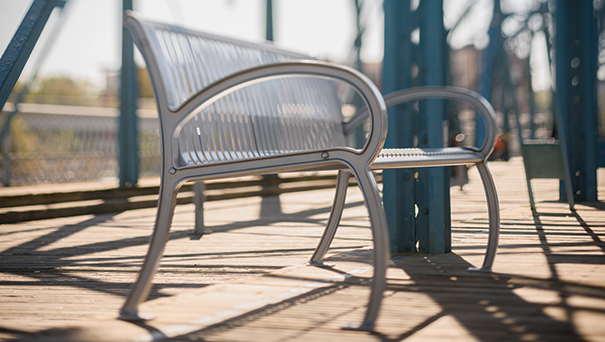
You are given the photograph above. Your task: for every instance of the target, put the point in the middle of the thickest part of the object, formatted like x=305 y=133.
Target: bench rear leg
x=493 y=207
x=342 y=183
x=140 y=289
x=378 y=223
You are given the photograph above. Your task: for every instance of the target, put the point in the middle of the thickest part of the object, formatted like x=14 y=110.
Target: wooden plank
x=66 y=278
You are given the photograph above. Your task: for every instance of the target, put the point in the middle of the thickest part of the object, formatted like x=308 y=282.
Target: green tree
x=145 y=89
x=62 y=90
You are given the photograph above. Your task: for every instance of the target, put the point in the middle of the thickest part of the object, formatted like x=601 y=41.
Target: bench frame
x=344 y=159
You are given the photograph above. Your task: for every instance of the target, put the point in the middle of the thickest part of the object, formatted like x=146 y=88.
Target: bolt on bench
x=230 y=108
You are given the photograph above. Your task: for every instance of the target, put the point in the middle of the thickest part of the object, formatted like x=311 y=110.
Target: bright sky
x=89 y=43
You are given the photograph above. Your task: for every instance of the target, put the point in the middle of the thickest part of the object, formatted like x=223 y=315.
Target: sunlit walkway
x=64 y=279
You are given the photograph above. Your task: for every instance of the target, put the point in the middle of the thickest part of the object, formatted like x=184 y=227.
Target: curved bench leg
x=494 y=218
x=378 y=222
x=342 y=183
x=140 y=289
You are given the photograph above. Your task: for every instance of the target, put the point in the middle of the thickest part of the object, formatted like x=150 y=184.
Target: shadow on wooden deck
x=548 y=282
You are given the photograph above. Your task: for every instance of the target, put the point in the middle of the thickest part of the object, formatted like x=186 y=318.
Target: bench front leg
x=378 y=224
x=140 y=289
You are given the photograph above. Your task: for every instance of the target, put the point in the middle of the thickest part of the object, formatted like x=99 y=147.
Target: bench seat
x=397 y=158
x=388 y=158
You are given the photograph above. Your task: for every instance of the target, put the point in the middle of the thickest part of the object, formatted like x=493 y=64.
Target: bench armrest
x=478 y=102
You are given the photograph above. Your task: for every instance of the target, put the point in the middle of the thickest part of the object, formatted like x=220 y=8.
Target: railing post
x=128 y=161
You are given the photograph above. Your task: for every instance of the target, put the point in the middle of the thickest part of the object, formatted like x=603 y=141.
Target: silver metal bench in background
x=230 y=108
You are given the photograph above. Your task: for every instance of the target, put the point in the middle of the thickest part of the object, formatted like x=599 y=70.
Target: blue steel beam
x=488 y=62
x=428 y=189
x=588 y=77
x=433 y=195
x=269 y=21
x=6 y=128
x=562 y=88
x=359 y=135
x=21 y=46
x=576 y=40
x=48 y=44
x=398 y=185
x=128 y=160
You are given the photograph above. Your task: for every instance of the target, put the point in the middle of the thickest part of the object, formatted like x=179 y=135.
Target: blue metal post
x=269 y=21
x=575 y=48
x=398 y=185
x=358 y=37
x=588 y=77
x=5 y=131
x=268 y=37
x=359 y=135
x=488 y=62
x=21 y=46
x=433 y=195
x=563 y=80
x=428 y=189
x=127 y=131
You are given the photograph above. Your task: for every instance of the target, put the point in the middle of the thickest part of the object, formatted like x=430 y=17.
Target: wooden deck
x=64 y=279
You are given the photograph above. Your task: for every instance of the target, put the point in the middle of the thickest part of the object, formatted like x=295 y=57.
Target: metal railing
x=54 y=143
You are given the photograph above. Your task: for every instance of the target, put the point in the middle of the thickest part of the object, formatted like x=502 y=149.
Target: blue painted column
x=433 y=195
x=398 y=185
x=488 y=63
x=6 y=129
x=589 y=32
x=269 y=20
x=359 y=134
x=22 y=44
x=128 y=160
x=426 y=189
x=576 y=43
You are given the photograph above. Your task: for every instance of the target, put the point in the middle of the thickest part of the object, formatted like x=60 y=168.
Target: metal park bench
x=231 y=108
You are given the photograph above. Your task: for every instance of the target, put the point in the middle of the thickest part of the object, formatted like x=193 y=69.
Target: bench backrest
x=273 y=117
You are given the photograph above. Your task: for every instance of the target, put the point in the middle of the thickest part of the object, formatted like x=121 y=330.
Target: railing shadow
x=56 y=270
x=489 y=306
x=268 y=214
